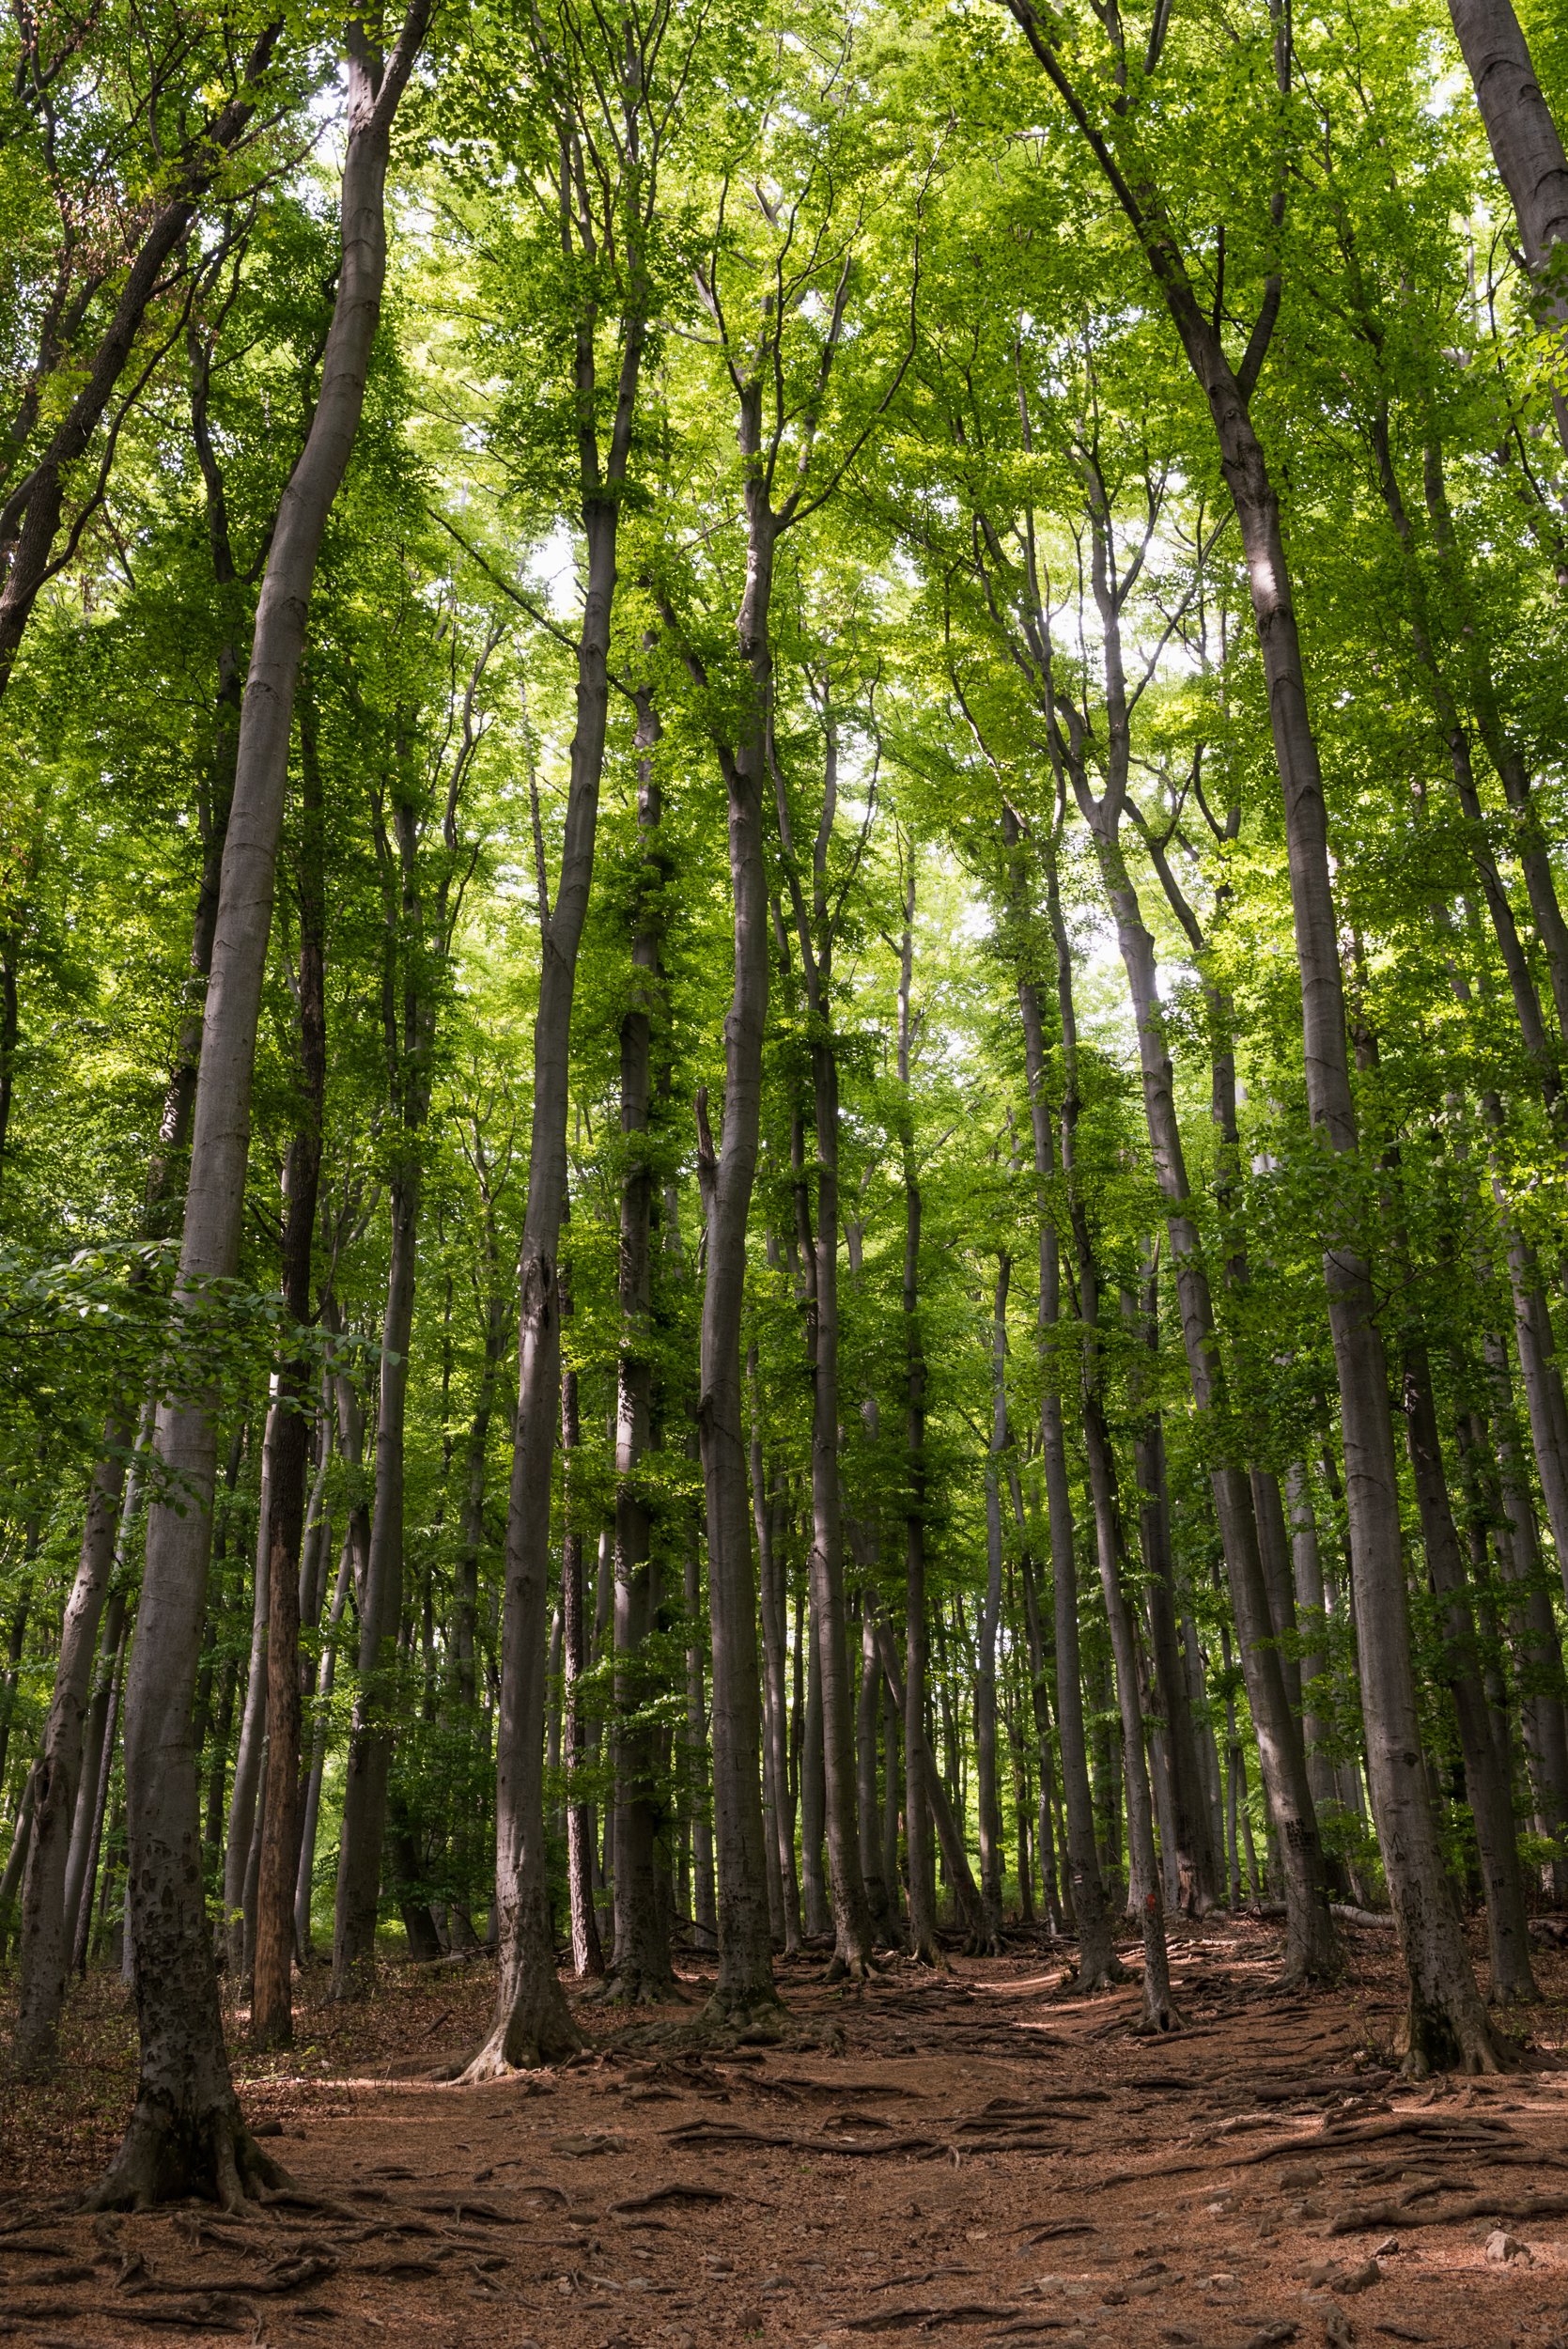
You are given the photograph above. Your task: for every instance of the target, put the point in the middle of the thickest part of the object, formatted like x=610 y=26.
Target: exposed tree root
x=636 y=1989
x=1113 y=1975
x=1428 y=2042
x=852 y=1966
x=523 y=2043
x=752 y=2013
x=167 y=2156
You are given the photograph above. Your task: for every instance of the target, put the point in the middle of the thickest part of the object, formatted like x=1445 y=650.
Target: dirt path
x=966 y=2159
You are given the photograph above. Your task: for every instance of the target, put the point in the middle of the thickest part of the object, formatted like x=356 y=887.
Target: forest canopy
x=784 y=1000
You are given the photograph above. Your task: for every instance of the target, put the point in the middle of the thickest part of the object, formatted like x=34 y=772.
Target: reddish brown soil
x=964 y=2160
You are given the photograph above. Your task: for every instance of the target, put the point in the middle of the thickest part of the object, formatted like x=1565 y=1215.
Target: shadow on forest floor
x=963 y=2158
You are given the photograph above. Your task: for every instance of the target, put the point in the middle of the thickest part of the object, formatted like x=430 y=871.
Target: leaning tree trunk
x=186 y=2135
x=1527 y=147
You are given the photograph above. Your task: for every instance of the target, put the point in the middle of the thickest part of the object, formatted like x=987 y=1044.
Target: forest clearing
x=784 y=1170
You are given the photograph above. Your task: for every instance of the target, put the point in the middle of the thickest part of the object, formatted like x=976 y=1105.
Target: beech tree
x=837 y=733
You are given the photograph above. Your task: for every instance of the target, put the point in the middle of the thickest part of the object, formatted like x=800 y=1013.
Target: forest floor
x=964 y=2158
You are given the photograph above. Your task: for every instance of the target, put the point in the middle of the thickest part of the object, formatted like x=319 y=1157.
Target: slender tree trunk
x=923 y=1945
x=642 y=1971
x=851 y=1914
x=271 y=2008
x=1486 y=1773
x=1310 y=1947
x=775 y=1711
x=62 y=1803
x=1099 y=1965
x=949 y=1833
x=371 y=1736
x=868 y=1805
x=745 y=1961
x=986 y=1641
x=1193 y=1854
x=185 y=2134
x=305 y=1873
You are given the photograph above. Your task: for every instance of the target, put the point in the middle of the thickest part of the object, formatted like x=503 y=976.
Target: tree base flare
x=523 y=2044
x=756 y=2008
x=851 y=1966
x=1429 y=2040
x=169 y=2156
x=636 y=1989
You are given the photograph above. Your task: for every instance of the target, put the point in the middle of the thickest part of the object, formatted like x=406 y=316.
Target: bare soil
x=965 y=2158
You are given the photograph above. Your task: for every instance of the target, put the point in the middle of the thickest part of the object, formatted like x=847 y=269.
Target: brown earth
x=964 y=2160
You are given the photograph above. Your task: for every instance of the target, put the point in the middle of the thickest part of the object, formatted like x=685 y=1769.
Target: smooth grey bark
x=869 y=1701
x=240 y=1831
x=1445 y=2022
x=289 y=1434
x=816 y=1915
x=186 y=2133
x=1537 y=1649
x=704 y=1911
x=745 y=1956
x=586 y=1951
x=614 y=123
x=1110 y=1542
x=1527 y=147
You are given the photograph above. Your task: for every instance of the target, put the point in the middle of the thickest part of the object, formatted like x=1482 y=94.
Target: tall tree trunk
x=986 y=1639
x=1099 y=1965
x=642 y=1971
x=371 y=1736
x=1310 y=1947
x=745 y=1961
x=271 y=2007
x=919 y=1857
x=185 y=2134
x=1447 y=2022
